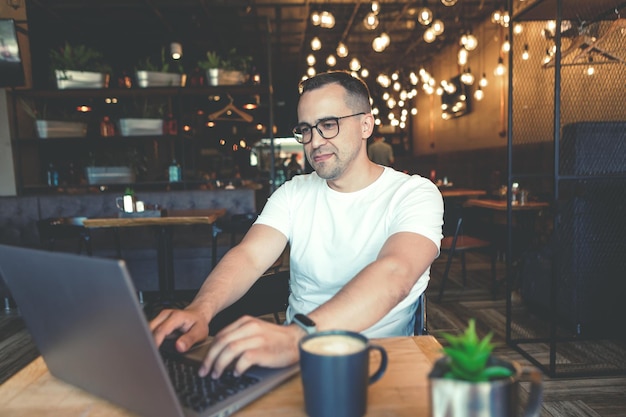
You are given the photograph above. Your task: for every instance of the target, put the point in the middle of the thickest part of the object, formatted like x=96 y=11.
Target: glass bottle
x=170 y=125
x=107 y=128
x=174 y=171
x=52 y=176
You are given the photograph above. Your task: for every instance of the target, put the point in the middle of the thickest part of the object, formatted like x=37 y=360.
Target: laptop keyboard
x=200 y=393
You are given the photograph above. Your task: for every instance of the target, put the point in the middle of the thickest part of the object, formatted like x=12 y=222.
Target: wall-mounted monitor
x=11 y=68
x=456 y=98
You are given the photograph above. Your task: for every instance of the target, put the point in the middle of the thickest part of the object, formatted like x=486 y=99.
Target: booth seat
x=192 y=244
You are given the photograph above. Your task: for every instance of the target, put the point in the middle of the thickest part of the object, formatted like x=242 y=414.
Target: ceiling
x=132 y=27
x=126 y=30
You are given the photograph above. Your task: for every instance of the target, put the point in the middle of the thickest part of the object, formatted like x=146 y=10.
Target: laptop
x=87 y=323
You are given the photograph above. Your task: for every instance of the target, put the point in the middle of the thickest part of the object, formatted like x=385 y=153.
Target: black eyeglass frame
x=300 y=137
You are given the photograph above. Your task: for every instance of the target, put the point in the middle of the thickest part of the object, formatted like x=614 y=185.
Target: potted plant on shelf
x=61 y=126
x=144 y=117
x=235 y=68
x=212 y=67
x=161 y=74
x=469 y=381
x=79 y=66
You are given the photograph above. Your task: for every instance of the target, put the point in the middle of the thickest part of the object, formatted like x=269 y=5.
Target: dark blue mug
x=335 y=373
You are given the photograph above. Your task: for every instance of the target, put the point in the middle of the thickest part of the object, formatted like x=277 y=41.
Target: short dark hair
x=358 y=95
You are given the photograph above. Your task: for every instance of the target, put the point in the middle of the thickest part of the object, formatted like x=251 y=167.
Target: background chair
x=420 y=327
x=269 y=295
x=54 y=229
x=460 y=244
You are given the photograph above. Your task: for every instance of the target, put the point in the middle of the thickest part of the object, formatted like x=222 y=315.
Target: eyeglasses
x=328 y=128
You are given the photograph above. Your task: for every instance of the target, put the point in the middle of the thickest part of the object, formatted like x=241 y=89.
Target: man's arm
x=228 y=281
x=380 y=286
x=367 y=298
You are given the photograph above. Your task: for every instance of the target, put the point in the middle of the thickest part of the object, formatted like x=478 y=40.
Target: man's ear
x=367 y=126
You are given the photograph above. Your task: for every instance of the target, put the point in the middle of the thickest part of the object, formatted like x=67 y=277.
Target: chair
x=420 y=328
x=268 y=295
x=53 y=229
x=237 y=224
x=460 y=244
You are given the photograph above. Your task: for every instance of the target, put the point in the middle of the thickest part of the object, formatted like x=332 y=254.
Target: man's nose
x=316 y=138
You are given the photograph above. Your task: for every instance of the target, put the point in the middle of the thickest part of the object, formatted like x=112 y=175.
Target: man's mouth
x=322 y=157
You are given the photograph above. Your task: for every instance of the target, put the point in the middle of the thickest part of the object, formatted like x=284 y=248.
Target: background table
x=163 y=225
x=401 y=392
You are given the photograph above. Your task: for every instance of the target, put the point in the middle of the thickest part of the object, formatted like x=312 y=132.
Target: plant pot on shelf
x=213 y=76
x=231 y=77
x=109 y=175
x=69 y=79
x=159 y=79
x=60 y=129
x=141 y=127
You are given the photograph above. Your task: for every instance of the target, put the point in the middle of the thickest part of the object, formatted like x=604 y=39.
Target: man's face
x=330 y=157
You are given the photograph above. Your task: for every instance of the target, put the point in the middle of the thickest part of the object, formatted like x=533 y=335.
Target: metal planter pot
x=141 y=127
x=497 y=398
x=159 y=79
x=68 y=79
x=60 y=129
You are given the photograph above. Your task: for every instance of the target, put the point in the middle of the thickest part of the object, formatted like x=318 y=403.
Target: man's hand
x=251 y=341
x=191 y=323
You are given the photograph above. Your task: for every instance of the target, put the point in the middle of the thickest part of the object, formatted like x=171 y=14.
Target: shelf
x=199 y=151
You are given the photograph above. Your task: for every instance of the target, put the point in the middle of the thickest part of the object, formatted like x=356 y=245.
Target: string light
x=500 y=68
x=525 y=53
x=342 y=50
x=316 y=44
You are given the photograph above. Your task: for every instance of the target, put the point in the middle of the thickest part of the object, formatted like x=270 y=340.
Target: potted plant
x=115 y=167
x=235 y=68
x=144 y=117
x=469 y=381
x=62 y=126
x=79 y=66
x=162 y=74
x=212 y=66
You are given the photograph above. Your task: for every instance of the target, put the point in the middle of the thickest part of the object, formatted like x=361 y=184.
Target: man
x=380 y=152
x=362 y=238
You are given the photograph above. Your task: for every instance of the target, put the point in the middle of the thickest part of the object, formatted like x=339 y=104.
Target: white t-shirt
x=334 y=235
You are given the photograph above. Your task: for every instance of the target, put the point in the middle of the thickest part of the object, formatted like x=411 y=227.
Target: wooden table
x=401 y=392
x=165 y=256
x=461 y=193
x=500 y=205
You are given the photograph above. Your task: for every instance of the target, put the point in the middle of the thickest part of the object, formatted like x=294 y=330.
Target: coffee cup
x=335 y=373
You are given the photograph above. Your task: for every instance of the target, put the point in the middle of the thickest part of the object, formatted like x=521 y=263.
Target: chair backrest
x=420 y=327
x=54 y=229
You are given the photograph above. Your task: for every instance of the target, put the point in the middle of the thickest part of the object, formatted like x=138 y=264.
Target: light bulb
x=470 y=42
x=425 y=16
x=327 y=20
x=483 y=81
x=479 y=94
x=448 y=3
x=355 y=64
x=438 y=27
x=371 y=21
x=500 y=68
x=310 y=60
x=331 y=61
x=316 y=18
x=342 y=50
x=316 y=44
x=176 y=50
x=525 y=54
x=429 y=35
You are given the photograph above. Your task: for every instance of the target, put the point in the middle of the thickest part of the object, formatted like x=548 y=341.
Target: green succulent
x=78 y=58
x=468 y=357
x=212 y=60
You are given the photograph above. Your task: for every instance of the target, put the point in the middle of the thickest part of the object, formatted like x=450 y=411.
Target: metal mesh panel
x=579 y=249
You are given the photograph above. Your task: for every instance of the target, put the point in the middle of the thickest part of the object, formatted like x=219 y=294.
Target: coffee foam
x=333 y=345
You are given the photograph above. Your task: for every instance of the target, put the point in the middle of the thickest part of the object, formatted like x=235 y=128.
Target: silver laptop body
x=84 y=317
